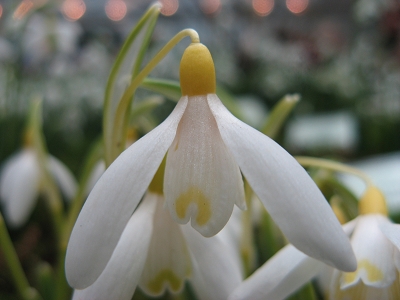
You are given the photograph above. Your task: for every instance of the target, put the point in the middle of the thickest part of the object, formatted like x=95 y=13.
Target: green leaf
x=126 y=66
x=168 y=88
x=279 y=115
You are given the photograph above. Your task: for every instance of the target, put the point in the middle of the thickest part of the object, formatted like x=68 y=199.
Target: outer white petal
x=96 y=173
x=122 y=273
x=392 y=232
x=374 y=254
x=19 y=187
x=349 y=227
x=113 y=200
x=216 y=270
x=7 y=176
x=168 y=261
x=63 y=177
x=279 y=277
x=288 y=193
x=202 y=180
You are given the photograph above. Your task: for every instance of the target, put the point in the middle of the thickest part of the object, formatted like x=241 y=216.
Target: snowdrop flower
x=376 y=243
x=157 y=254
x=20 y=184
x=206 y=151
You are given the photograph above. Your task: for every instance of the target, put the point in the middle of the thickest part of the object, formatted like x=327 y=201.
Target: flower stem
x=21 y=283
x=334 y=166
x=247 y=248
x=51 y=191
x=119 y=122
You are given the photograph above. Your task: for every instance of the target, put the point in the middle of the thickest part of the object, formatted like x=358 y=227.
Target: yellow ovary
x=197 y=72
x=195 y=196
x=373 y=273
x=372 y=202
x=165 y=276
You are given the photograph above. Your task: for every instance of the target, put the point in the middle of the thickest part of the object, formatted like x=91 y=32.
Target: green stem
x=51 y=192
x=119 y=121
x=279 y=115
x=334 y=166
x=151 y=16
x=21 y=283
x=247 y=239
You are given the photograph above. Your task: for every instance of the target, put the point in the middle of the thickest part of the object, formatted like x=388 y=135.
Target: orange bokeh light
x=23 y=8
x=116 y=9
x=73 y=9
x=297 y=6
x=210 y=7
x=1 y=10
x=169 y=7
x=263 y=7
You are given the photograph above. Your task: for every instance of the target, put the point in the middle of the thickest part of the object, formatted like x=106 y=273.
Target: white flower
x=374 y=241
x=376 y=244
x=20 y=184
x=161 y=255
x=207 y=148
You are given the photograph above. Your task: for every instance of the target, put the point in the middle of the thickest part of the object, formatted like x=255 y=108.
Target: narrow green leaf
x=168 y=88
x=279 y=115
x=126 y=66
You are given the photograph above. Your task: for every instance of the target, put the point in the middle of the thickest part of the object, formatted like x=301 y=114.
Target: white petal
x=20 y=187
x=288 y=193
x=348 y=228
x=374 y=254
x=7 y=175
x=279 y=277
x=95 y=174
x=392 y=232
x=122 y=273
x=202 y=180
x=168 y=261
x=113 y=200
x=216 y=270
x=63 y=177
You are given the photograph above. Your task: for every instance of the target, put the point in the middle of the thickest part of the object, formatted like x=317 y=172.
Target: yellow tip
x=372 y=202
x=197 y=72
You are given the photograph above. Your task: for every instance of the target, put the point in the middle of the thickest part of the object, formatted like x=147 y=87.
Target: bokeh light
x=1 y=11
x=23 y=8
x=263 y=7
x=210 y=7
x=297 y=6
x=169 y=7
x=73 y=9
x=115 y=9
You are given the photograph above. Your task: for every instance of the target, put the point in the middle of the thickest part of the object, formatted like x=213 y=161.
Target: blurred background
x=341 y=56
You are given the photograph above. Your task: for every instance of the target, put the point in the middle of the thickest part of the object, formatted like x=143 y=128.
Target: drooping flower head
x=162 y=255
x=375 y=241
x=376 y=244
x=208 y=150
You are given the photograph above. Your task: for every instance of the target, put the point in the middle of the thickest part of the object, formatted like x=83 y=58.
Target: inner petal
x=168 y=261
x=202 y=180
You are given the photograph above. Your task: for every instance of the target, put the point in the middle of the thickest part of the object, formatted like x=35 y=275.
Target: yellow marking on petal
x=361 y=290
x=195 y=196
x=372 y=202
x=165 y=276
x=197 y=72
x=374 y=274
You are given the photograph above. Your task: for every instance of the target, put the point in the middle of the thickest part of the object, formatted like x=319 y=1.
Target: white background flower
x=20 y=183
